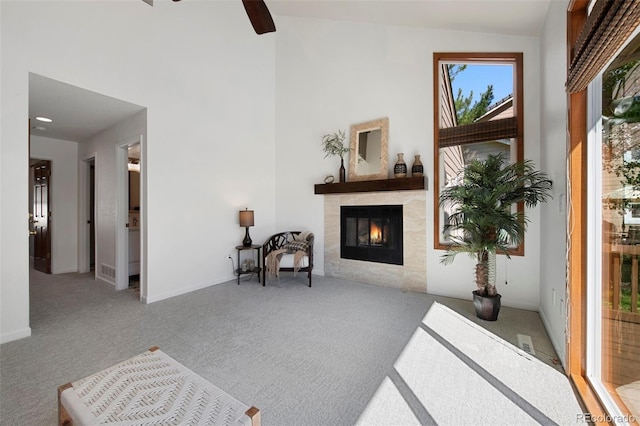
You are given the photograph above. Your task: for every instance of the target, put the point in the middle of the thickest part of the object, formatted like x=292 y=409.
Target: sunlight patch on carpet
x=453 y=371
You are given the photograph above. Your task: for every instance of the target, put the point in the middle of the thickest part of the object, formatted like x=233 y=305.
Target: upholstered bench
x=150 y=389
x=287 y=251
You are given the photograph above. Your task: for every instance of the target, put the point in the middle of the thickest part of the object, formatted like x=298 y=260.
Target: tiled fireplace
x=408 y=271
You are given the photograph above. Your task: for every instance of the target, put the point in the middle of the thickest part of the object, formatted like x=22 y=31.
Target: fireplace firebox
x=371 y=233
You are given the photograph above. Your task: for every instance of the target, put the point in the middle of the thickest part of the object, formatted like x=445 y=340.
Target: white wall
x=334 y=74
x=104 y=147
x=213 y=119
x=554 y=153
x=207 y=81
x=64 y=200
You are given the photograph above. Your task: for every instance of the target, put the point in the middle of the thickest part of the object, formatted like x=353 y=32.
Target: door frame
x=84 y=215
x=122 y=215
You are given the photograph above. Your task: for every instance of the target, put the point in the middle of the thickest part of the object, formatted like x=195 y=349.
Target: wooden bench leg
x=254 y=414
x=64 y=419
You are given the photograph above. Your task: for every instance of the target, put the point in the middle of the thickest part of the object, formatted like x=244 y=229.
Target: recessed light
x=45 y=119
x=40 y=128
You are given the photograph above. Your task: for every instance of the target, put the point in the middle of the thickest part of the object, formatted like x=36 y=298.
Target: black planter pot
x=487 y=307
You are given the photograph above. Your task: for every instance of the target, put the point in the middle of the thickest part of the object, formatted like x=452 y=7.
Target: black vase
x=417 y=169
x=343 y=172
x=487 y=307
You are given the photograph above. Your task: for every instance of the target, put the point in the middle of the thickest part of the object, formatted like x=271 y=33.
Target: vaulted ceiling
x=509 y=17
x=85 y=113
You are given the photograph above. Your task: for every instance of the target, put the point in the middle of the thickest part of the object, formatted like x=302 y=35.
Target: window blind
x=607 y=27
x=484 y=131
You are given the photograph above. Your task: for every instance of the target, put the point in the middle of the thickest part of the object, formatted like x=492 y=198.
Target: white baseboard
x=185 y=290
x=65 y=271
x=106 y=280
x=466 y=295
x=15 y=335
x=558 y=346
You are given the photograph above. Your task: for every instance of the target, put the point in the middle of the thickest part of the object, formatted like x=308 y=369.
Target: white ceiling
x=510 y=17
x=79 y=114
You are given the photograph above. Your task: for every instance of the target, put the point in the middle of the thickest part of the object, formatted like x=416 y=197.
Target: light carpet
x=454 y=372
x=303 y=356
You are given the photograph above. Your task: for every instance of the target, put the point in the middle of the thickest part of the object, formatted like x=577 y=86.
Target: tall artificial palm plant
x=485 y=218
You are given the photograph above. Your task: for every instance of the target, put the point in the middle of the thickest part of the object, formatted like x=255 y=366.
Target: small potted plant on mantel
x=485 y=219
x=332 y=145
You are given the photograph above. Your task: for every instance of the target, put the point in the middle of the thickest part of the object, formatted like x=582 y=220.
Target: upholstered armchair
x=290 y=251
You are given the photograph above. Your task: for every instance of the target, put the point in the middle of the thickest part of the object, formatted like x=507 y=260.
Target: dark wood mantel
x=399 y=184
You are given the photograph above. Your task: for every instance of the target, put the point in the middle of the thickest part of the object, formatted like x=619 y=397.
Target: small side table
x=256 y=269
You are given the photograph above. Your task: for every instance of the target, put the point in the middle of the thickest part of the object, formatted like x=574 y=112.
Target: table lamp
x=246 y=220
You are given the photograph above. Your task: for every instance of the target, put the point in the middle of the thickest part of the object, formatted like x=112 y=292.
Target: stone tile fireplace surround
x=409 y=276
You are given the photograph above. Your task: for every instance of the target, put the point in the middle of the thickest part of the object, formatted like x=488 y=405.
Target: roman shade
x=482 y=131
x=607 y=27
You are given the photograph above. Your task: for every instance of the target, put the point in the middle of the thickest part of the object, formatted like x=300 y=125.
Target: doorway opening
x=129 y=170
x=87 y=220
x=88 y=126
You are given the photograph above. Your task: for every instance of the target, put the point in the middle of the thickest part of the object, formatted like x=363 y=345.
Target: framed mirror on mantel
x=369 y=155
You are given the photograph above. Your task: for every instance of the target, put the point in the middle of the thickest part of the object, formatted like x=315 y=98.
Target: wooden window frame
x=576 y=342
x=514 y=58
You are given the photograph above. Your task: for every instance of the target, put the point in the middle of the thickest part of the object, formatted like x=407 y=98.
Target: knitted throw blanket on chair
x=273 y=260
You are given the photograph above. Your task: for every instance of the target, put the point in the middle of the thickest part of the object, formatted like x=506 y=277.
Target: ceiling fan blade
x=259 y=16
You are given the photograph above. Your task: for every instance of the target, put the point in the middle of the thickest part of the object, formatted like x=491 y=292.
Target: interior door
x=92 y=215
x=41 y=216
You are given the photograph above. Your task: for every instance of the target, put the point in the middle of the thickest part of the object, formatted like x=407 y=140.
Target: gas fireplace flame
x=375 y=234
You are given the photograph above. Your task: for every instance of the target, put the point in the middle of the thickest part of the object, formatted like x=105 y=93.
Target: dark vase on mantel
x=400 y=168
x=417 y=169
x=343 y=172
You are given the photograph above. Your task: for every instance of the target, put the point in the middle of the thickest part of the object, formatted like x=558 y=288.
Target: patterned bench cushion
x=151 y=388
